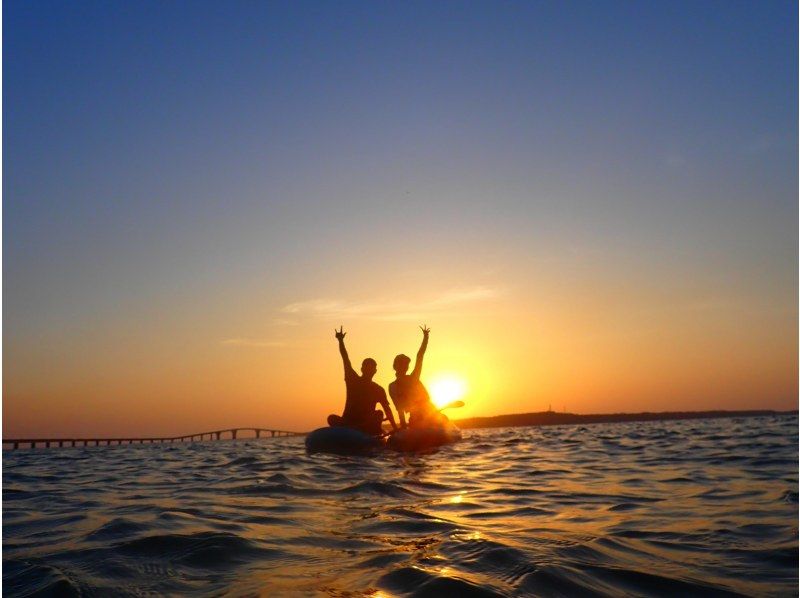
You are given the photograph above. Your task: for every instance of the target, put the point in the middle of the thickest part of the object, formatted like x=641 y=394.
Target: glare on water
x=689 y=508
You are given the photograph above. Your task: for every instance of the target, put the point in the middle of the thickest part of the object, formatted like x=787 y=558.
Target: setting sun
x=447 y=388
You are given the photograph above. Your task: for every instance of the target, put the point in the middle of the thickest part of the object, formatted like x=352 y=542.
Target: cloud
x=252 y=342
x=458 y=296
x=284 y=322
x=390 y=310
x=765 y=143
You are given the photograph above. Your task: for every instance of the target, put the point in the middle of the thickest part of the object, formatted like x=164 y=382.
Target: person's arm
x=348 y=368
x=421 y=353
x=387 y=410
x=400 y=413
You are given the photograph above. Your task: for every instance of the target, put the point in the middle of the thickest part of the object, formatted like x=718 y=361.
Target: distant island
x=553 y=418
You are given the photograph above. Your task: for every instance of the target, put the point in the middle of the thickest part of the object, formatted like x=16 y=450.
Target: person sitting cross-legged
x=362 y=396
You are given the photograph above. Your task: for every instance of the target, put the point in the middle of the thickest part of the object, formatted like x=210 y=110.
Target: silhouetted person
x=362 y=396
x=409 y=394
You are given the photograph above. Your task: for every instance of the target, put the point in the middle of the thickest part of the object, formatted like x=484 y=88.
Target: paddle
x=451 y=405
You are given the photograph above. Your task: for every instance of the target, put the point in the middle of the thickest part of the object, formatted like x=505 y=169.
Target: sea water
x=698 y=507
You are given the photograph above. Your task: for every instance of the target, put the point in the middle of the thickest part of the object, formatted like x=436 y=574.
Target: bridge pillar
x=233 y=434
x=273 y=433
x=218 y=434
x=16 y=445
x=258 y=433
x=47 y=444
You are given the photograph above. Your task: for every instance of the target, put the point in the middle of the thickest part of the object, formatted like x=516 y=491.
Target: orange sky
x=616 y=347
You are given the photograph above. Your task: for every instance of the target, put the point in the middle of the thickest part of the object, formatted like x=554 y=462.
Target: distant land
x=554 y=418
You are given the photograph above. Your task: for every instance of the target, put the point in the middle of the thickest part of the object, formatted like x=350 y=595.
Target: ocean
x=693 y=507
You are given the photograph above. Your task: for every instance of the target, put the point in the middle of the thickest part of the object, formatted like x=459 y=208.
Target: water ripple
x=658 y=508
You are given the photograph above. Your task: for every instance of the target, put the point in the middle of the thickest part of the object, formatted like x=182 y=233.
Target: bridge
x=229 y=433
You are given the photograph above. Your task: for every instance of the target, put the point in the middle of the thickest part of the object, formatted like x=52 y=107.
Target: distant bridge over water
x=228 y=433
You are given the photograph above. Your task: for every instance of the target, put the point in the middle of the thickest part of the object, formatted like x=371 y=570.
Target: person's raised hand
x=425 y=330
x=340 y=334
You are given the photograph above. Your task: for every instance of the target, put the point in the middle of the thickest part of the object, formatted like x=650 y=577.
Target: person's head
x=368 y=368
x=401 y=363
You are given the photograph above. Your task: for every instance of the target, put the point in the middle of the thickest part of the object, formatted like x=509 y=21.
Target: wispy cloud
x=390 y=310
x=766 y=142
x=284 y=322
x=252 y=342
x=458 y=296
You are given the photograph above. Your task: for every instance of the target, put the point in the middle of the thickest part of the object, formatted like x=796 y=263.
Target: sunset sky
x=592 y=205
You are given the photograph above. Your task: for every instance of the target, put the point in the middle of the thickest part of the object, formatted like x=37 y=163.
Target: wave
x=663 y=508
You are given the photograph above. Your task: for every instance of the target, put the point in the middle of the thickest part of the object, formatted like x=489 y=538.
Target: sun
x=446 y=388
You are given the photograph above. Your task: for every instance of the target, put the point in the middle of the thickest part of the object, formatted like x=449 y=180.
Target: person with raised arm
x=362 y=396
x=409 y=394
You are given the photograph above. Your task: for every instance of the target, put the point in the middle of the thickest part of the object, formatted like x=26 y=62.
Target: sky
x=592 y=205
